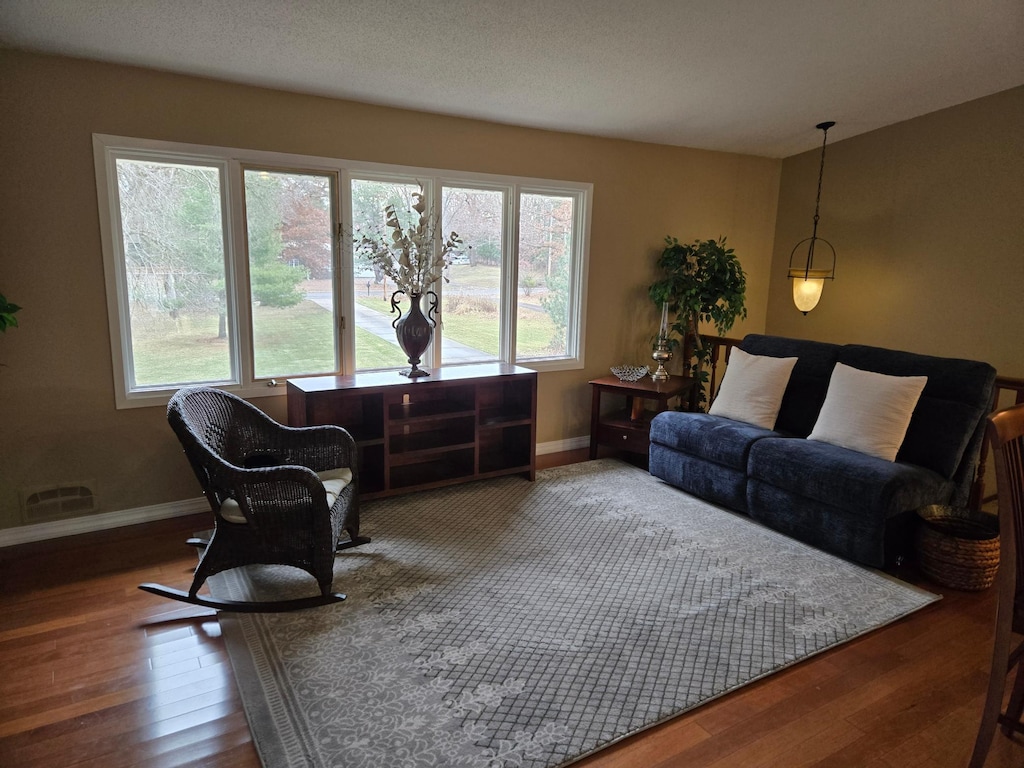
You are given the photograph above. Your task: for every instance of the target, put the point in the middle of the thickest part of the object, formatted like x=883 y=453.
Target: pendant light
x=809 y=278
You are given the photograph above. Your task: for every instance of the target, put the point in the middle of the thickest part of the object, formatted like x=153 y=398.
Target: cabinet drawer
x=636 y=439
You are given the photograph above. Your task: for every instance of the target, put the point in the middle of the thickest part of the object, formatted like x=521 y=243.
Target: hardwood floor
x=94 y=672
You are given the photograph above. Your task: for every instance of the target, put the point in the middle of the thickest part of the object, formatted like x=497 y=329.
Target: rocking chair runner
x=280 y=495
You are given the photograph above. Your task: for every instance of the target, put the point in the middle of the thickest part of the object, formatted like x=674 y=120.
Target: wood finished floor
x=94 y=672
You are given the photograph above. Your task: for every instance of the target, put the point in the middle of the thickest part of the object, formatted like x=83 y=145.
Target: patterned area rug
x=508 y=623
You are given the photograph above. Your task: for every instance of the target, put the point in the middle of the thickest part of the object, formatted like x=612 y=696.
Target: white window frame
x=340 y=311
x=574 y=331
x=107 y=149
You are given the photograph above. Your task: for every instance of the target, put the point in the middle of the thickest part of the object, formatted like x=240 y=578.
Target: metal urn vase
x=414 y=329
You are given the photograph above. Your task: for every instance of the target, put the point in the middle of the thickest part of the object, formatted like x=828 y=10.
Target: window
x=375 y=344
x=173 y=271
x=473 y=298
x=236 y=268
x=290 y=245
x=546 y=231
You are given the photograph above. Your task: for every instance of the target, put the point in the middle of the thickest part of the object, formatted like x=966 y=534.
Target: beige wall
x=927 y=218
x=56 y=389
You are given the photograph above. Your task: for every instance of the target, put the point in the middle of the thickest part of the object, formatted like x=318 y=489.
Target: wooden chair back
x=721 y=349
x=1006 y=438
x=1007 y=391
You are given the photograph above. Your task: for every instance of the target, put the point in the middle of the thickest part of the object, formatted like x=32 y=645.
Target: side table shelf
x=629 y=428
x=461 y=423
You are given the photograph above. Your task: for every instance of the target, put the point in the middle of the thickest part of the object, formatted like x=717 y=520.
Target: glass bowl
x=630 y=372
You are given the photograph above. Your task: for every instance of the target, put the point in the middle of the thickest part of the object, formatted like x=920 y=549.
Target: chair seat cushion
x=844 y=478
x=334 y=481
x=712 y=438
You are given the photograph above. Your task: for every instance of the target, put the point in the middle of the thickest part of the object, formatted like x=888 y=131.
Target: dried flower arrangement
x=410 y=258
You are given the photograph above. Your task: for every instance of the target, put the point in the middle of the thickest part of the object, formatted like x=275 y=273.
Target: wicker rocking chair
x=280 y=495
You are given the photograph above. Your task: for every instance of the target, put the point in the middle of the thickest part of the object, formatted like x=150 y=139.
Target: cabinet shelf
x=500 y=470
x=438 y=471
x=431 y=435
x=624 y=419
x=427 y=454
x=460 y=423
x=413 y=412
x=494 y=419
x=362 y=442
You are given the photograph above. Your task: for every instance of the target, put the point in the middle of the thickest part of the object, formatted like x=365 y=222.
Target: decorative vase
x=661 y=355
x=414 y=330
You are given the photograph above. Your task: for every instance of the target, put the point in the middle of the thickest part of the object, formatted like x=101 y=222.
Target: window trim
x=575 y=324
x=231 y=162
x=246 y=329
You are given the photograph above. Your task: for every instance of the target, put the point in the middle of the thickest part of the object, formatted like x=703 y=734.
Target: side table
x=629 y=428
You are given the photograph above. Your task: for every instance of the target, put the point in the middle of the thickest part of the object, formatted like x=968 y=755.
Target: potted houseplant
x=701 y=281
x=7 y=318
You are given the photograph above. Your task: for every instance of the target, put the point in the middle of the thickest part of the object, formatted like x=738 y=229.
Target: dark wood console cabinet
x=460 y=423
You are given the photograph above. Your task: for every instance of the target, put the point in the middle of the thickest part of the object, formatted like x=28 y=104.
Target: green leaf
x=702 y=280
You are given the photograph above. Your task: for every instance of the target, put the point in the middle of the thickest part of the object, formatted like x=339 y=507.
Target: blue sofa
x=851 y=504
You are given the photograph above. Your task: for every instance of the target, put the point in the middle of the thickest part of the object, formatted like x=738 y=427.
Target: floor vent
x=57 y=502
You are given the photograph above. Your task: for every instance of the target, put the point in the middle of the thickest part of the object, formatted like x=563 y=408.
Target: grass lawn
x=179 y=352
x=299 y=339
x=480 y=329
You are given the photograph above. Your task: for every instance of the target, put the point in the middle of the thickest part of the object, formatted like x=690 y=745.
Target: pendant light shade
x=807 y=290
x=807 y=275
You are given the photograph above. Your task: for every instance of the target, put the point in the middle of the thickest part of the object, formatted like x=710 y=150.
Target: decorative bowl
x=630 y=372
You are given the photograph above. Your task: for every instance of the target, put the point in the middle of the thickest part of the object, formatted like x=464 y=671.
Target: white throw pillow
x=752 y=388
x=867 y=412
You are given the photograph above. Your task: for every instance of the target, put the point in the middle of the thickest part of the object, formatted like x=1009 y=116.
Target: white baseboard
x=101 y=522
x=59 y=528
x=557 y=446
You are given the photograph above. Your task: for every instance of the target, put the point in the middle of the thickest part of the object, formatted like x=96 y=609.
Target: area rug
x=508 y=623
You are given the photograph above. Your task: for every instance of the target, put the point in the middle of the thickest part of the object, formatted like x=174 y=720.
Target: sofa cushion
x=866 y=411
x=712 y=438
x=958 y=394
x=862 y=538
x=845 y=479
x=808 y=382
x=712 y=482
x=752 y=388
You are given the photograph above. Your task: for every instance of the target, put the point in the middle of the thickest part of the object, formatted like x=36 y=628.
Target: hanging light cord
x=821 y=174
x=817 y=200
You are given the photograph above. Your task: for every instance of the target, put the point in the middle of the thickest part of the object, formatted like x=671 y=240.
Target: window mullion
x=510 y=306
x=126 y=382
x=578 y=292
x=344 y=274
x=433 y=189
x=238 y=295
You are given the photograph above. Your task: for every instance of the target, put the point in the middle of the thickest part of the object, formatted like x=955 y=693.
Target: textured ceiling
x=751 y=76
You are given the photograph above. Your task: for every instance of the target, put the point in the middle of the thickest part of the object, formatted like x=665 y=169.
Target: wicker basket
x=958 y=548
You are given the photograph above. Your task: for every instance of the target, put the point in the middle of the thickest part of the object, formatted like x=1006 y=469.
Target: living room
x=924 y=211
